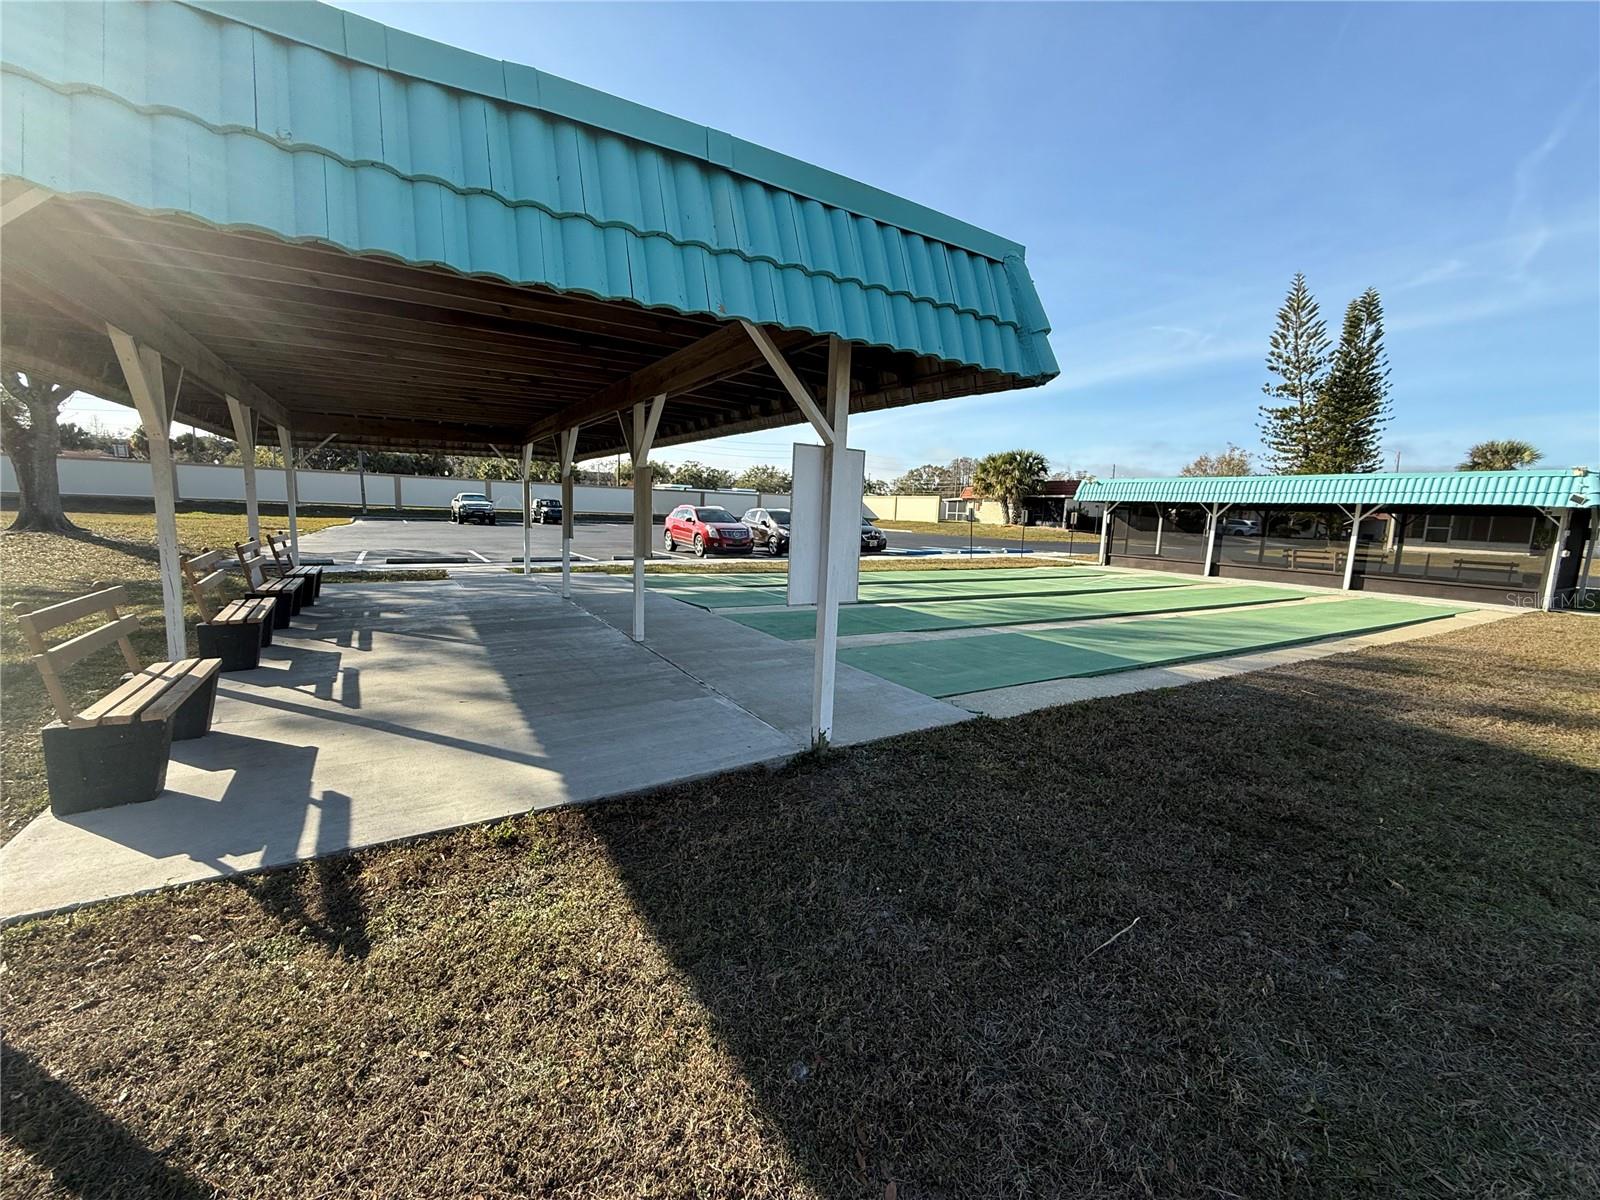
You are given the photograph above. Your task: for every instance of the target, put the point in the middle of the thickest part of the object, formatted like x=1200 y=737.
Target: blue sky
x=1169 y=167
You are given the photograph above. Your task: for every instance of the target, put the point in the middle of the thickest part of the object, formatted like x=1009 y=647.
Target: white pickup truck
x=471 y=506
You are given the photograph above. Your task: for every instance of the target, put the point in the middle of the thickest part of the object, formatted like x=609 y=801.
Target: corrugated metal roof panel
x=309 y=123
x=1545 y=488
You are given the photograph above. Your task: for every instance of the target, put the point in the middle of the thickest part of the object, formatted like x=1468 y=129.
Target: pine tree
x=1349 y=415
x=1298 y=356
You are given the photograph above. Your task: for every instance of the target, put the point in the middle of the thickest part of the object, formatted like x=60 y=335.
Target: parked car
x=1239 y=527
x=769 y=529
x=471 y=506
x=546 y=512
x=873 y=540
x=708 y=530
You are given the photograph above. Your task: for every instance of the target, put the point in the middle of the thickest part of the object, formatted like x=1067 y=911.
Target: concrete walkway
x=393 y=710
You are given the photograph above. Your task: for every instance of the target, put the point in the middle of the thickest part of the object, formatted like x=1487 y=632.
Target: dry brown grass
x=1368 y=902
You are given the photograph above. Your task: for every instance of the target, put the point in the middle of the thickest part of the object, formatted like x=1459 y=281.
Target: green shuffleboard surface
x=795 y=625
x=954 y=666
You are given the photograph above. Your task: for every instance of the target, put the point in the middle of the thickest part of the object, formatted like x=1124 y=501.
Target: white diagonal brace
x=142 y=367
x=23 y=202
x=657 y=406
x=244 y=434
x=791 y=382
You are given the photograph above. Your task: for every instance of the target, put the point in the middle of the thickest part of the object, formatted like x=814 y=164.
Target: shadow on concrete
x=67 y=1135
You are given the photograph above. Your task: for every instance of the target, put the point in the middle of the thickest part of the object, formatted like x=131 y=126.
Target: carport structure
x=286 y=220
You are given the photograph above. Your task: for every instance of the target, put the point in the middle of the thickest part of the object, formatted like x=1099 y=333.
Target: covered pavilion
x=1524 y=538
x=287 y=221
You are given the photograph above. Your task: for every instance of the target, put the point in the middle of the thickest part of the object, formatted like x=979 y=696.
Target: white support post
x=141 y=367
x=839 y=505
x=244 y=433
x=646 y=417
x=1161 y=520
x=290 y=492
x=527 y=510
x=1350 y=552
x=569 y=451
x=1105 y=533
x=1215 y=511
x=1587 y=565
x=1549 y=602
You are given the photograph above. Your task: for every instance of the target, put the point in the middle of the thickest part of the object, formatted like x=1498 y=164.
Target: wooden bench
x=114 y=751
x=1512 y=568
x=287 y=570
x=233 y=632
x=289 y=593
x=1313 y=558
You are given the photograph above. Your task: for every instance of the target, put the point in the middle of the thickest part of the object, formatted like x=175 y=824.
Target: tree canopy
x=1232 y=461
x=1353 y=404
x=1504 y=455
x=765 y=479
x=1332 y=403
x=1297 y=355
x=1008 y=476
x=698 y=475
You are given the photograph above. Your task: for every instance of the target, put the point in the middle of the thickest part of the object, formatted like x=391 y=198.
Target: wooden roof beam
x=727 y=352
x=96 y=298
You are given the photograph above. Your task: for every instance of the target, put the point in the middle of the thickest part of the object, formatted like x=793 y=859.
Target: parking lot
x=374 y=541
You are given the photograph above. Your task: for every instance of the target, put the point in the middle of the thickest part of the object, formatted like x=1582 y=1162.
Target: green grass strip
x=1082 y=604
x=953 y=666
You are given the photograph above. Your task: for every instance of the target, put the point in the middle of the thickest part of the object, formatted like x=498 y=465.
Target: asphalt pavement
x=377 y=541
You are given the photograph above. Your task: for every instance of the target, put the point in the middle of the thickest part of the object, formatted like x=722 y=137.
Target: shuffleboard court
x=947 y=586
x=953 y=666
x=670 y=581
x=795 y=625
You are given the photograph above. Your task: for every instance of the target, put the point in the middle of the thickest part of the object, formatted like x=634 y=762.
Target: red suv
x=708 y=530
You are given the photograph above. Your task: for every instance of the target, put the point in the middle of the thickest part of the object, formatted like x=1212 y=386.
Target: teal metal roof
x=311 y=123
x=1552 y=487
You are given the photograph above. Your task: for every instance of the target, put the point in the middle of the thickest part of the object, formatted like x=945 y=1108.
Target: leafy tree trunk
x=29 y=410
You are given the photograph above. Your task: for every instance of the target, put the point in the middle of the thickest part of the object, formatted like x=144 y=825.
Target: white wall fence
x=120 y=479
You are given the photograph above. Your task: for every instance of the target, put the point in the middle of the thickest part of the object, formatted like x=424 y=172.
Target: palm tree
x=1506 y=455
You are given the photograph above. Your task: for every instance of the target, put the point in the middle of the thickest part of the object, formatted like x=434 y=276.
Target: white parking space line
x=480 y=557
x=362 y=557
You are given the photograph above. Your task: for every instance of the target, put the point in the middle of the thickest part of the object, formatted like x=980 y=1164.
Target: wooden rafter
x=726 y=352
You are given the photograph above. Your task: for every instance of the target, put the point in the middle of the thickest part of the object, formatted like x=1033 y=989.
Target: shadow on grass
x=70 y=1137
x=909 y=950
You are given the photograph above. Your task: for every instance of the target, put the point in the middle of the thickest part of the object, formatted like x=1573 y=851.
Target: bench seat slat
x=244 y=612
x=200 y=671
x=128 y=699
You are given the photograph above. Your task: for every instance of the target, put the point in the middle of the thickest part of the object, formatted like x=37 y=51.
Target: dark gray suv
x=769 y=529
